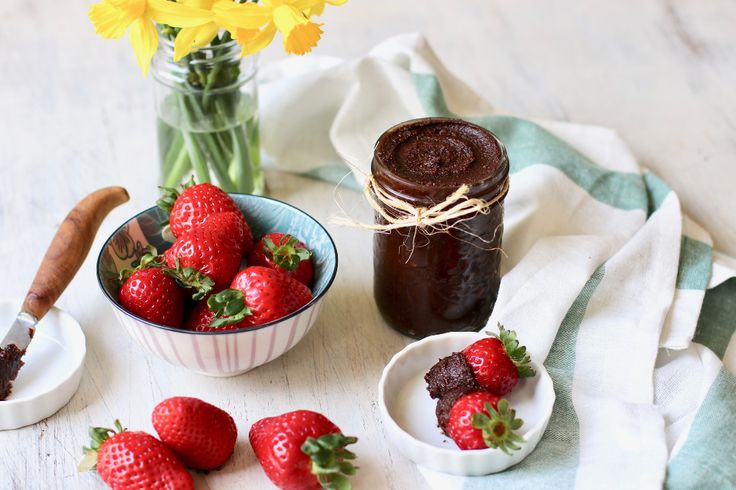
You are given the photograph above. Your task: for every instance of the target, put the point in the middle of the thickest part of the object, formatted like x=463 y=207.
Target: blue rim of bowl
x=313 y=301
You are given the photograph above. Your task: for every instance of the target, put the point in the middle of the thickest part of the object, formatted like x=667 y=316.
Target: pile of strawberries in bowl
x=238 y=264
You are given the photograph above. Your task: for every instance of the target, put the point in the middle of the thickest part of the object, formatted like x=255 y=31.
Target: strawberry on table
x=498 y=362
x=479 y=420
x=128 y=460
x=154 y=292
x=260 y=293
x=189 y=209
x=212 y=248
x=303 y=450
x=284 y=252
x=200 y=434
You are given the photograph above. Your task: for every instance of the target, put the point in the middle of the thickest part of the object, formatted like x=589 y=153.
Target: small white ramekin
x=53 y=368
x=409 y=413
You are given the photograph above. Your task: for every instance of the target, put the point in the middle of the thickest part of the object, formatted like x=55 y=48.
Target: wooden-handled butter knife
x=63 y=259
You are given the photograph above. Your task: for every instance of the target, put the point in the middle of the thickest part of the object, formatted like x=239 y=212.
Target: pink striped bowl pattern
x=232 y=352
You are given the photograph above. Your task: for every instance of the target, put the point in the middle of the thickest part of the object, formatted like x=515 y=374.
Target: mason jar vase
x=207 y=117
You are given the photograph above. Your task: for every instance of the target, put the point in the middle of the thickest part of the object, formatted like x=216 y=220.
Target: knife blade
x=63 y=259
x=12 y=348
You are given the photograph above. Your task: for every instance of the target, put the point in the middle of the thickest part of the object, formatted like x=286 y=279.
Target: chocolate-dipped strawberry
x=494 y=364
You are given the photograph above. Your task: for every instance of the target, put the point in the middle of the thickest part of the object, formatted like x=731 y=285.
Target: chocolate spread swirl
x=440 y=152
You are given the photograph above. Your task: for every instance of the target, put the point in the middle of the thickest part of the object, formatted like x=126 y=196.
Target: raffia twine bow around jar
x=438 y=218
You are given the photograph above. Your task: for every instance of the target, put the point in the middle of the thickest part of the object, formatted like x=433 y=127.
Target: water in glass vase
x=207 y=105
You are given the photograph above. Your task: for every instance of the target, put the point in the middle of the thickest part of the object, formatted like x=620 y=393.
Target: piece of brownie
x=448 y=374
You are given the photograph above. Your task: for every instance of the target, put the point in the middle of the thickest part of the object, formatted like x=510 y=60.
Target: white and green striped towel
x=606 y=278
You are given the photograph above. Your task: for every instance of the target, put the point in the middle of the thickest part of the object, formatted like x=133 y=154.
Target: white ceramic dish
x=52 y=371
x=409 y=413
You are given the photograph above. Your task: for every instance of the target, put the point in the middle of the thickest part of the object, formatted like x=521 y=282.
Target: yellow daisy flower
x=112 y=18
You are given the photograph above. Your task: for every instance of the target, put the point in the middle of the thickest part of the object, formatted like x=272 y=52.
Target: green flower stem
x=202 y=144
x=217 y=159
x=180 y=166
x=175 y=145
x=196 y=157
x=241 y=167
x=226 y=144
x=211 y=80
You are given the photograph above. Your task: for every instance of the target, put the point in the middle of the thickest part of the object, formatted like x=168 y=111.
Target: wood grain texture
x=77 y=116
x=69 y=248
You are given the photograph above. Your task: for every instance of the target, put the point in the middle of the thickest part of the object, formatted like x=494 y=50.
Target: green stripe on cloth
x=336 y=174
x=696 y=261
x=530 y=144
x=706 y=460
x=717 y=322
x=554 y=463
x=657 y=191
x=430 y=94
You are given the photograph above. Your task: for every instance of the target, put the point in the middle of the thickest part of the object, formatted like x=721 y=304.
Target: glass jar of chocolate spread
x=445 y=278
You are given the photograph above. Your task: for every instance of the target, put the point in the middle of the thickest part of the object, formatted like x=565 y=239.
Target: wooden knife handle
x=69 y=248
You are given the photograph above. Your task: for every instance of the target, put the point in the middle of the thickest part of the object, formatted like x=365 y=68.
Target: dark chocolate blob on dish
x=440 y=153
x=448 y=374
x=10 y=364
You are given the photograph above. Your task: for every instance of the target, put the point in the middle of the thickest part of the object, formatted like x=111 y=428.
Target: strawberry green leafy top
x=516 y=352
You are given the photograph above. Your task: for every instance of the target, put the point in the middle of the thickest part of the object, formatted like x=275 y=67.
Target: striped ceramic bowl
x=232 y=352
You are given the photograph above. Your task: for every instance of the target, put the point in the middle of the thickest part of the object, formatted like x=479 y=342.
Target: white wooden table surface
x=76 y=116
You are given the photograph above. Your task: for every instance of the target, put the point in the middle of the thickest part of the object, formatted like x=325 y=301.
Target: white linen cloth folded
x=606 y=279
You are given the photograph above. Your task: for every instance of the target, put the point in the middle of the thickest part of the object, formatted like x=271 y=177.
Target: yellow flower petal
x=190 y=38
x=178 y=14
x=244 y=16
x=300 y=35
x=286 y=17
x=315 y=7
x=206 y=34
x=303 y=38
x=144 y=39
x=111 y=18
x=201 y=4
x=259 y=42
x=134 y=8
x=241 y=36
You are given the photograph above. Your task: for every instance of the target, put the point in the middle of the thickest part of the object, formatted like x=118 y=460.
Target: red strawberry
x=283 y=252
x=153 y=291
x=201 y=435
x=212 y=248
x=499 y=362
x=200 y=318
x=303 y=450
x=479 y=420
x=154 y=296
x=134 y=460
x=261 y=293
x=189 y=209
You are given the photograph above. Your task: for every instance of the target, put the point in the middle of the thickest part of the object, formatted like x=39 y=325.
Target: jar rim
x=165 y=41
x=480 y=187
x=172 y=74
